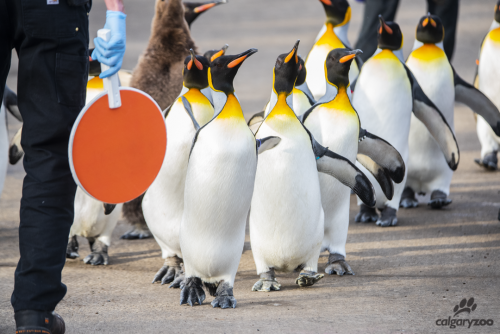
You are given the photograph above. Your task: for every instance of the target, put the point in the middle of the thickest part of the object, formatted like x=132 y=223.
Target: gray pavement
x=407 y=277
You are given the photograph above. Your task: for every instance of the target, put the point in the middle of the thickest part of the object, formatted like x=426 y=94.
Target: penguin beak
x=207 y=6
x=326 y=2
x=241 y=57
x=194 y=61
x=384 y=26
x=220 y=53
x=427 y=20
x=293 y=53
x=350 y=56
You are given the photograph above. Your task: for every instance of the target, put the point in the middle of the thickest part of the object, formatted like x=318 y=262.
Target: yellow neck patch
x=428 y=52
x=330 y=39
x=386 y=54
x=341 y=103
x=232 y=109
x=282 y=117
x=194 y=95
x=494 y=35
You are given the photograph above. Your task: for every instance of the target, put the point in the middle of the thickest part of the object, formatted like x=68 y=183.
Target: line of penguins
x=290 y=169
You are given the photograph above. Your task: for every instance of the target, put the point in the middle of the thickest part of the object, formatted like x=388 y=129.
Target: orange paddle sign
x=118 y=142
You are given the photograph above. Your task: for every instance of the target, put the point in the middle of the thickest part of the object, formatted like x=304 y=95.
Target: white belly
x=286 y=218
x=163 y=203
x=90 y=220
x=219 y=186
x=427 y=167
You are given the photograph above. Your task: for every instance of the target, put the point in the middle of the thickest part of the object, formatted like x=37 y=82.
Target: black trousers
x=51 y=41
x=447 y=10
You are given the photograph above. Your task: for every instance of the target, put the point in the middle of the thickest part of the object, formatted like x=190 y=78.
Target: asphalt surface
x=407 y=277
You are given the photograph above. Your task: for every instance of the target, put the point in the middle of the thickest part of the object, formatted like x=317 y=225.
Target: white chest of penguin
x=489 y=66
x=287 y=176
x=383 y=99
x=4 y=146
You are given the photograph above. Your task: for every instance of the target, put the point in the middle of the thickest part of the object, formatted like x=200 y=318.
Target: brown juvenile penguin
x=159 y=73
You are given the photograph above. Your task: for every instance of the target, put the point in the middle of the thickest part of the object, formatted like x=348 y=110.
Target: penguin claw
x=136 y=233
x=99 y=255
x=177 y=283
x=489 y=162
x=72 y=249
x=224 y=302
x=192 y=291
x=170 y=270
x=366 y=215
x=439 y=199
x=308 y=278
x=340 y=268
x=266 y=285
x=388 y=217
x=408 y=203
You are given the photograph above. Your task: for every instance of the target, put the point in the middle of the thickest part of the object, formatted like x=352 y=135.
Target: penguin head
x=430 y=29
x=223 y=70
x=338 y=63
x=389 y=35
x=338 y=12
x=193 y=9
x=195 y=71
x=211 y=55
x=301 y=72
x=286 y=70
x=497 y=12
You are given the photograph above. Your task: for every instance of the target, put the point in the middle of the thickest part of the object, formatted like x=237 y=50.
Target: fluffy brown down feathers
x=159 y=71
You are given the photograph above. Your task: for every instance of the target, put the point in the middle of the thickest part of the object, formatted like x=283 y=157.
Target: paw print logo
x=465 y=306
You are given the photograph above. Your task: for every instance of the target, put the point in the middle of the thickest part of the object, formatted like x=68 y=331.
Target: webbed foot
x=408 y=199
x=192 y=291
x=224 y=297
x=267 y=282
x=489 y=162
x=308 y=278
x=439 y=199
x=99 y=254
x=338 y=265
x=171 y=269
x=366 y=214
x=72 y=249
x=137 y=232
x=388 y=217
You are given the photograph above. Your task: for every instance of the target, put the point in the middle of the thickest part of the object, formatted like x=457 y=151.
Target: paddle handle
x=111 y=83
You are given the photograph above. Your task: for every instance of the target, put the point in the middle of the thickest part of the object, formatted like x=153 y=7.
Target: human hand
x=111 y=53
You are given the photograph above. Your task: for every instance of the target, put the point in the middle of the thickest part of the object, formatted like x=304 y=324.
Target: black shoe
x=29 y=321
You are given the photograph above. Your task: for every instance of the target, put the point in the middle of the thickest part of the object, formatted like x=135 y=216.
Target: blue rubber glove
x=111 y=53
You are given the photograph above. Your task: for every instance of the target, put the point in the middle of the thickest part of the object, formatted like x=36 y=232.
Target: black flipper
x=267 y=143
x=187 y=107
x=383 y=154
x=345 y=171
x=166 y=111
x=478 y=102
x=433 y=119
x=10 y=102
x=379 y=174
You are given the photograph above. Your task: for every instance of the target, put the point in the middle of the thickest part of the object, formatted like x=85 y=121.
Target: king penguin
x=488 y=72
x=333 y=35
x=163 y=203
x=219 y=186
x=335 y=123
x=428 y=171
x=386 y=93
x=286 y=219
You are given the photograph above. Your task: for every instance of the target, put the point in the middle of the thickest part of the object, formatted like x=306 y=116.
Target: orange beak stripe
x=425 y=22
x=387 y=28
x=477 y=62
x=346 y=58
x=203 y=8
x=296 y=58
x=326 y=2
x=236 y=62
x=190 y=64
x=217 y=55
x=290 y=55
